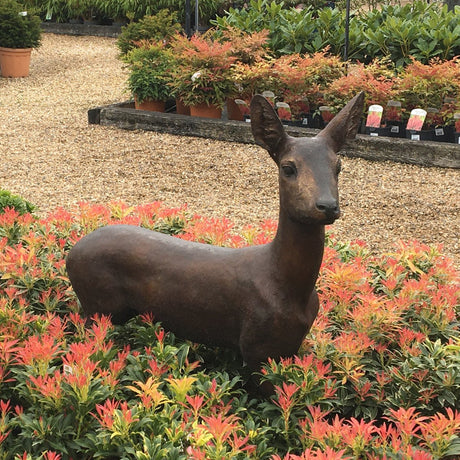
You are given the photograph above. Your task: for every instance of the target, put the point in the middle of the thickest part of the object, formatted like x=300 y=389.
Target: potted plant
x=376 y=80
x=203 y=77
x=162 y=26
x=428 y=85
x=20 y=32
x=431 y=87
x=457 y=127
x=297 y=87
x=253 y=78
x=247 y=49
x=149 y=80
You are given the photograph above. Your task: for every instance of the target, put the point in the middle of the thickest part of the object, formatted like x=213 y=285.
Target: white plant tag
x=67 y=369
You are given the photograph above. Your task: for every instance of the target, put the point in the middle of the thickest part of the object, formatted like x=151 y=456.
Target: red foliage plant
x=377 y=377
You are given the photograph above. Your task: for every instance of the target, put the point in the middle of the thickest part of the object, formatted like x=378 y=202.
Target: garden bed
x=423 y=153
x=62 y=160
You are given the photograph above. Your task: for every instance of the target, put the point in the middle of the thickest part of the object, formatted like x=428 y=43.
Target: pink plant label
x=374 y=116
x=416 y=120
x=284 y=111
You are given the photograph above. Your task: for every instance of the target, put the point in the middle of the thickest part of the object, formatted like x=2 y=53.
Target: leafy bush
x=57 y=10
x=9 y=200
x=151 y=67
x=134 y=10
x=203 y=73
x=419 y=29
x=162 y=26
x=377 y=377
x=18 y=30
x=206 y=8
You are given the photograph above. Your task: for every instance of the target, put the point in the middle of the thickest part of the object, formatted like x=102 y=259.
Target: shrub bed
x=234 y=64
x=417 y=29
x=377 y=377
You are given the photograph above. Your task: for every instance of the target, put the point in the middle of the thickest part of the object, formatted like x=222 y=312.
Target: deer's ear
x=266 y=127
x=345 y=124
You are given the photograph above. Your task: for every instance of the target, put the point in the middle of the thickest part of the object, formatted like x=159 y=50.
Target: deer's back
x=200 y=292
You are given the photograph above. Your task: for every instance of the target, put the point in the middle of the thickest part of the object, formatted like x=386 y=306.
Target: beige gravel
x=52 y=157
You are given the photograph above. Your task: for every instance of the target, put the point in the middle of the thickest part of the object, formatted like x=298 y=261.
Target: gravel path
x=52 y=157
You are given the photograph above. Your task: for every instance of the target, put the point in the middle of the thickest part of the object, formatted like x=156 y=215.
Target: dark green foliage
x=417 y=29
x=161 y=26
x=206 y=8
x=18 y=30
x=151 y=70
x=119 y=10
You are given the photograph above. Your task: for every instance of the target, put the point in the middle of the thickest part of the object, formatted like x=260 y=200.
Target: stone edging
x=423 y=153
x=81 y=29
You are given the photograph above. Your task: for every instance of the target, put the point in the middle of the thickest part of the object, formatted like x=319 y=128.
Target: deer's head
x=308 y=167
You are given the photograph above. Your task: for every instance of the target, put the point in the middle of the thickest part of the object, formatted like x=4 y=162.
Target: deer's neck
x=297 y=252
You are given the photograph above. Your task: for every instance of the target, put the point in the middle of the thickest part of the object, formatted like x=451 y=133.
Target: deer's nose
x=329 y=207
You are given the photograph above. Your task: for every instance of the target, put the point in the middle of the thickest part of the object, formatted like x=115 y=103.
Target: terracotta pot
x=181 y=108
x=233 y=111
x=205 y=111
x=15 y=62
x=149 y=104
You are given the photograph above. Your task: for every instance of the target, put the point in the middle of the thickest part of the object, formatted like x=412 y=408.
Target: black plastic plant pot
x=423 y=135
x=376 y=132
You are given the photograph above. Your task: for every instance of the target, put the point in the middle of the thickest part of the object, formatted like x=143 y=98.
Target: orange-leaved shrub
x=377 y=377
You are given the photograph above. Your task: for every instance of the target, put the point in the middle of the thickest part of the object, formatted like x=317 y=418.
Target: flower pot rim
x=15 y=49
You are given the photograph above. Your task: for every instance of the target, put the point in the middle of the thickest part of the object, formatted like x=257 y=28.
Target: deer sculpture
x=260 y=300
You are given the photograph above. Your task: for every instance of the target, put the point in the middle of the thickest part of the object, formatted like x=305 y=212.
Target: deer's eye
x=338 y=166
x=289 y=170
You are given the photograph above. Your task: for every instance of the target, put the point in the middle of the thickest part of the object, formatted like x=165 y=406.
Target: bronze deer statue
x=260 y=300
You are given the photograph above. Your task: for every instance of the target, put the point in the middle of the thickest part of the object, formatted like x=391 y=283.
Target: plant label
x=416 y=120
x=439 y=132
x=67 y=369
x=284 y=111
x=374 y=116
